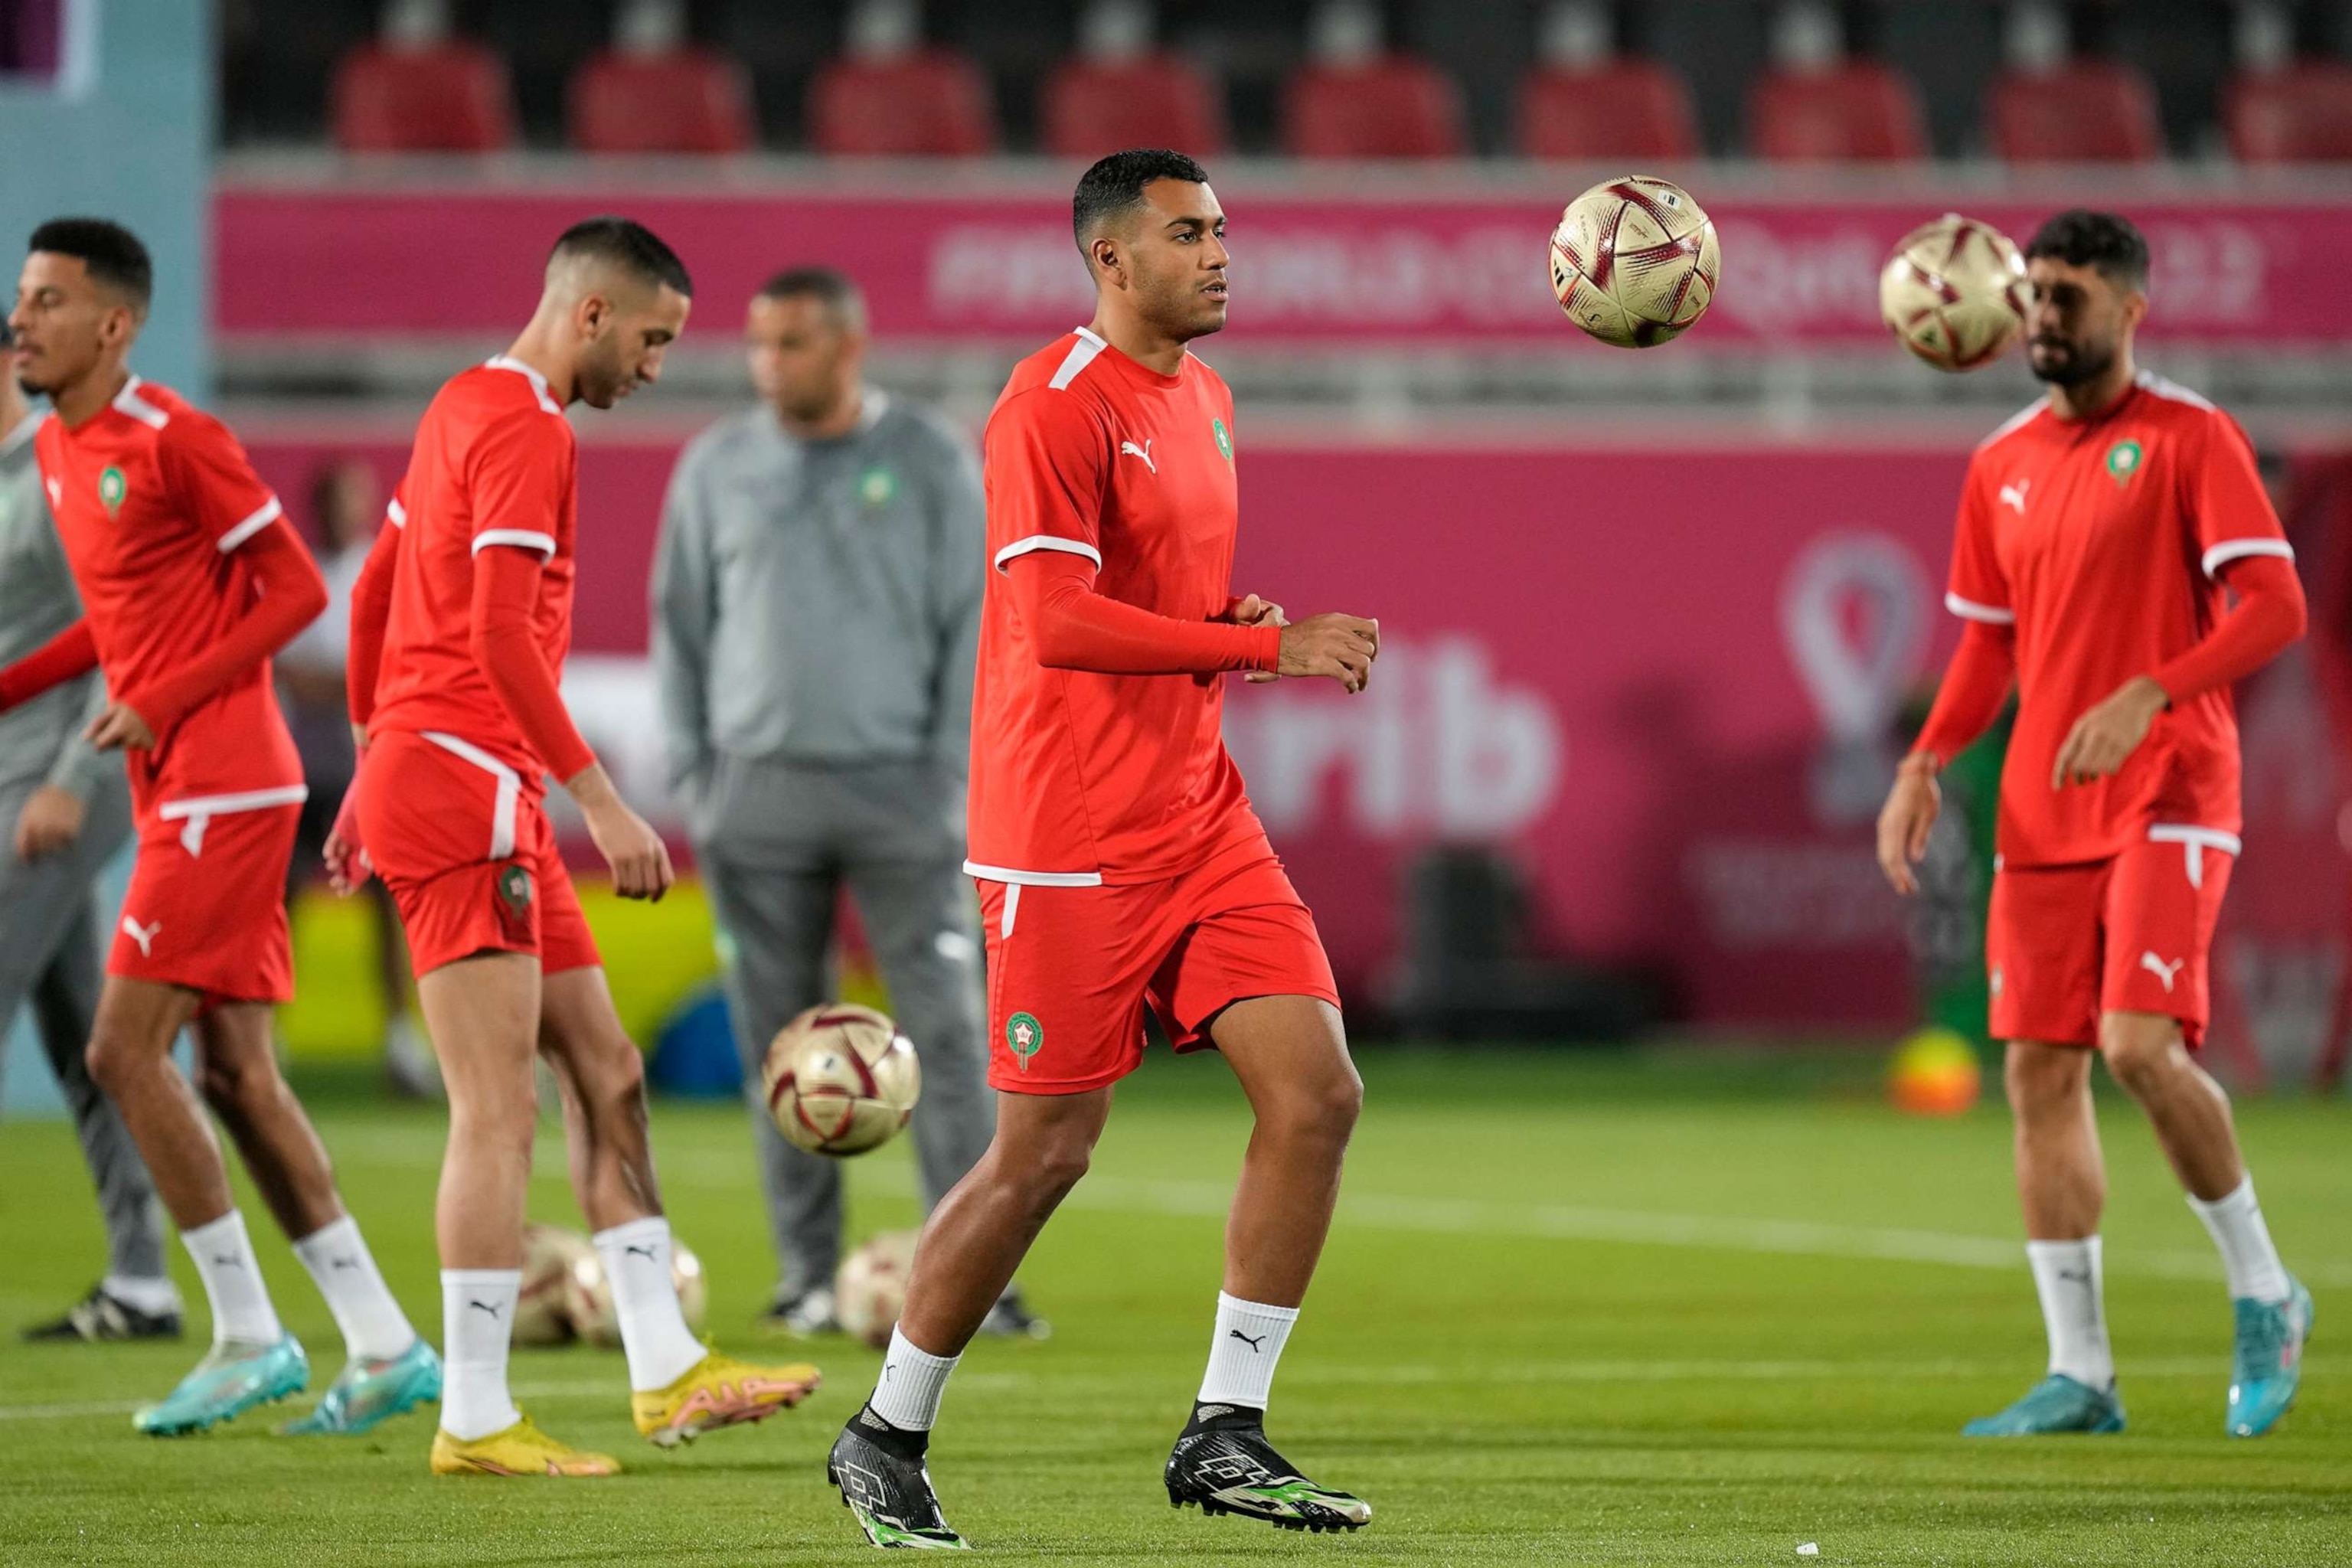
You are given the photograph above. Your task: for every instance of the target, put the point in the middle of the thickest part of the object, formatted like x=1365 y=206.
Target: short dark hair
x=2103 y=242
x=1114 y=186
x=830 y=287
x=626 y=243
x=111 y=252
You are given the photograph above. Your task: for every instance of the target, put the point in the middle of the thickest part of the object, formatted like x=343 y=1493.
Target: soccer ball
x=1633 y=262
x=1954 y=292
x=590 y=1298
x=841 y=1079
x=869 y=1289
x=1935 y=1073
x=542 y=1314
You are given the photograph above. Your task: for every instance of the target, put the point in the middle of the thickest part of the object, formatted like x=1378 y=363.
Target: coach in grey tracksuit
x=815 y=615
x=64 y=809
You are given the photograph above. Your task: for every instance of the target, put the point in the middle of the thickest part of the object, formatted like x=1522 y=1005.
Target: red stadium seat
x=1094 y=107
x=2299 y=115
x=685 y=102
x=2085 y=111
x=928 y=103
x=1394 y=107
x=449 y=97
x=1627 y=108
x=1857 y=111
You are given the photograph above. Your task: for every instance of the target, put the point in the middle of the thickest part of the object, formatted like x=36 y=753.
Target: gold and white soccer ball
x=597 y=1319
x=869 y=1288
x=841 y=1079
x=1954 y=292
x=1635 y=261
x=542 y=1314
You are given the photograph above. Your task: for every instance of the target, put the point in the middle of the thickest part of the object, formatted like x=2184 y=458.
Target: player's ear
x=1104 y=252
x=590 y=314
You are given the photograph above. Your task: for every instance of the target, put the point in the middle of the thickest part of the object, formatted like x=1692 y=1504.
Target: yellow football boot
x=522 y=1449
x=718 y=1391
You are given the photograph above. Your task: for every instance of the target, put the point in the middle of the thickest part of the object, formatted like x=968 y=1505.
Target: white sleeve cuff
x=1969 y=610
x=2231 y=550
x=521 y=538
x=1046 y=541
x=263 y=516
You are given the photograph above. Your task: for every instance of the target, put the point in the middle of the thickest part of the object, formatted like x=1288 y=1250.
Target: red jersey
x=153 y=497
x=2101 y=539
x=1078 y=777
x=494 y=466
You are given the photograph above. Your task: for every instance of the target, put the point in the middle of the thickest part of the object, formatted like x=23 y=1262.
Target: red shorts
x=1070 y=970
x=2066 y=944
x=207 y=904
x=468 y=855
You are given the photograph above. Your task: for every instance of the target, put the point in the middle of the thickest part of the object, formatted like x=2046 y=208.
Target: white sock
x=374 y=1327
x=907 y=1394
x=477 y=1328
x=1249 y=1340
x=152 y=1297
x=232 y=1277
x=2067 y=1275
x=644 y=1298
x=2252 y=1263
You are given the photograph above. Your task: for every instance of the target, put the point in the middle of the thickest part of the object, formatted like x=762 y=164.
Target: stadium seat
x=1393 y=106
x=2302 y=114
x=1625 y=107
x=1857 y=111
x=1093 y=106
x=923 y=104
x=448 y=96
x=684 y=101
x=2084 y=111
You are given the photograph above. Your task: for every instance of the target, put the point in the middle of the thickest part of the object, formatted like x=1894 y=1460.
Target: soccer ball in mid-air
x=841 y=1079
x=1954 y=292
x=869 y=1289
x=1635 y=261
x=542 y=1314
x=597 y=1319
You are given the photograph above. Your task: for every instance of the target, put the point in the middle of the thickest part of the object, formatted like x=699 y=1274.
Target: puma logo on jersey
x=1129 y=449
x=145 y=938
x=2014 y=495
x=2161 y=970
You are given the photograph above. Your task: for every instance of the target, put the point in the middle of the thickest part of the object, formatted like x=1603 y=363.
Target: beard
x=2079 y=364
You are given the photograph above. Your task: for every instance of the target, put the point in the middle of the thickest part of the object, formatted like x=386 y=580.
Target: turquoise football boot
x=2057 y=1404
x=2268 y=1366
x=371 y=1391
x=232 y=1379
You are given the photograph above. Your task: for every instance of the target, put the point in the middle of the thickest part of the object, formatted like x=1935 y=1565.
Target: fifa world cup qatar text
x=459 y=624
x=190 y=578
x=1118 y=861
x=2102 y=534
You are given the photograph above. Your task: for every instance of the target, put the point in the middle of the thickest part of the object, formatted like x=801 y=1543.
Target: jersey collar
x=537 y=381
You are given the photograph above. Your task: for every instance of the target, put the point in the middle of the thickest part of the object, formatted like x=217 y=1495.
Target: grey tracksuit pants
x=777 y=841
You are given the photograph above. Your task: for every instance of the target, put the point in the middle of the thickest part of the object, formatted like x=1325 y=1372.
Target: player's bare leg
x=131 y=1058
x=2190 y=1113
x=680 y=1388
x=1291 y=1056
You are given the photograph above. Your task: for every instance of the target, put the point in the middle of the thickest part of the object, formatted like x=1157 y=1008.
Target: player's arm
x=685 y=610
x=346 y=859
x=72 y=652
x=521 y=471
x=52 y=815
x=2240 y=543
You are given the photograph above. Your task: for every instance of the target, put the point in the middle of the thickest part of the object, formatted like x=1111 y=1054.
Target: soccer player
x=2101 y=532
x=190 y=579
x=1118 y=861
x=459 y=624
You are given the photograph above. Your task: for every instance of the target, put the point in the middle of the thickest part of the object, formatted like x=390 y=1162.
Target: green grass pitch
x=1679 y=1310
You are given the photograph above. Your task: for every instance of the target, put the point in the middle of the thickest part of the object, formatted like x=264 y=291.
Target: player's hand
x=1341 y=647
x=2101 y=738
x=1249 y=610
x=348 y=866
x=1905 y=820
x=639 y=860
x=119 y=728
x=51 y=820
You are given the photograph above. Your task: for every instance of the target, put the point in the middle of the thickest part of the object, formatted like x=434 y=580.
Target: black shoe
x=885 y=1487
x=802 y=1317
x=1011 y=1319
x=99 y=1317
x=1224 y=1463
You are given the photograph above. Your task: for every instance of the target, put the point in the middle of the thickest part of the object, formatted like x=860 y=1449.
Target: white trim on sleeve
x=263 y=516
x=395 y=513
x=521 y=538
x=1969 y=610
x=502 y=809
x=2231 y=550
x=1082 y=355
x=1046 y=541
x=1033 y=878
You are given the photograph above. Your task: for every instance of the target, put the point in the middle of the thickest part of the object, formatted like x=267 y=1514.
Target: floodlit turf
x=1574 y=1311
